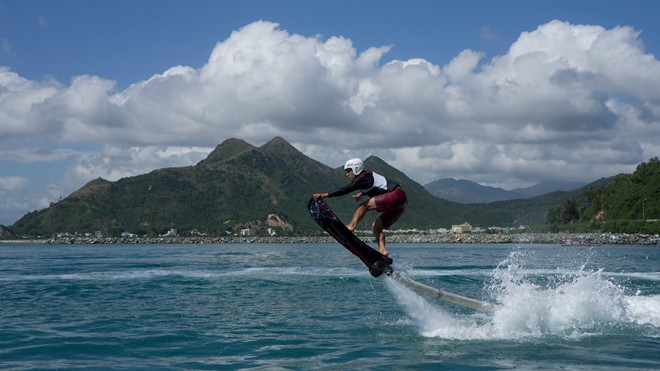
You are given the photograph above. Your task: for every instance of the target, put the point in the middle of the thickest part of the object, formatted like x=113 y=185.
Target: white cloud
x=11 y=201
x=19 y=99
x=114 y=163
x=572 y=102
x=12 y=183
x=463 y=66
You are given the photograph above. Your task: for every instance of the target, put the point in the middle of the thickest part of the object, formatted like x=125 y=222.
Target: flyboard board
x=379 y=263
x=375 y=261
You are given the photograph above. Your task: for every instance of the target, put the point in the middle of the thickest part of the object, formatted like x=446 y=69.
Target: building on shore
x=461 y=228
x=247 y=232
x=171 y=233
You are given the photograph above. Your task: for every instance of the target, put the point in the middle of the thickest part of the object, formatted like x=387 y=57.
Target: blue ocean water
x=315 y=306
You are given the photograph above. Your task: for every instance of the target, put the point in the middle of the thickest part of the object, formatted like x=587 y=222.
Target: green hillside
x=236 y=186
x=239 y=185
x=626 y=203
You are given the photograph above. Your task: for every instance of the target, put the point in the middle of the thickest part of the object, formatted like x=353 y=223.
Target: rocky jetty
x=577 y=239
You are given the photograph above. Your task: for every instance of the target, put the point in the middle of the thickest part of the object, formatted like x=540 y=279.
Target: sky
x=502 y=93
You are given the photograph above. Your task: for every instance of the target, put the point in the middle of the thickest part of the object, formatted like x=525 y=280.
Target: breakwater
x=465 y=238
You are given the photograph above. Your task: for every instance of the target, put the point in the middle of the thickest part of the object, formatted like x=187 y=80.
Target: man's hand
x=318 y=196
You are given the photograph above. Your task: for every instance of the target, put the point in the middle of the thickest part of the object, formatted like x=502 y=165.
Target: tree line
x=628 y=203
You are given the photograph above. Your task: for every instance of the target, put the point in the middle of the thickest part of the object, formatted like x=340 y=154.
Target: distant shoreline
x=570 y=239
x=24 y=241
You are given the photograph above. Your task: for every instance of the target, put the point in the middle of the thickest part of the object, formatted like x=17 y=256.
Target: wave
x=145 y=274
x=108 y=276
x=568 y=304
x=487 y=273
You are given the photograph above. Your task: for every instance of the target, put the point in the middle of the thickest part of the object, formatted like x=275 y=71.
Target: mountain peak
x=278 y=144
x=225 y=150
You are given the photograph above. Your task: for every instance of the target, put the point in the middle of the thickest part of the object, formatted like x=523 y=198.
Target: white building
x=461 y=228
x=170 y=233
x=248 y=232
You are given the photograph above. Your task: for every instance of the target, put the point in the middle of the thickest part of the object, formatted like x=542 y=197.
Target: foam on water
x=112 y=275
x=644 y=310
x=567 y=304
x=145 y=274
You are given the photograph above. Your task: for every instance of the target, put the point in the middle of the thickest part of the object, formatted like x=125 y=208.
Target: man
x=385 y=196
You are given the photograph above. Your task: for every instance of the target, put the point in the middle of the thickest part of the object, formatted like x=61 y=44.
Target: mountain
x=237 y=186
x=548 y=186
x=468 y=192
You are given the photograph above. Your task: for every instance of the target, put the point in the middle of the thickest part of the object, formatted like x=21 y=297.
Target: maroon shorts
x=391 y=205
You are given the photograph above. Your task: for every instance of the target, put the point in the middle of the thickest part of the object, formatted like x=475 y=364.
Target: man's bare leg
x=357 y=216
x=377 y=229
x=360 y=212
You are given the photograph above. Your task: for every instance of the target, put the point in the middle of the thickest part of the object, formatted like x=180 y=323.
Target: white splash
x=566 y=304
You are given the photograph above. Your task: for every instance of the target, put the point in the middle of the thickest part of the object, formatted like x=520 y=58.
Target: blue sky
x=129 y=41
x=504 y=93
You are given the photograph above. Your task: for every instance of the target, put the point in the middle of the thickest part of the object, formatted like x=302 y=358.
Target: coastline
x=571 y=239
x=23 y=241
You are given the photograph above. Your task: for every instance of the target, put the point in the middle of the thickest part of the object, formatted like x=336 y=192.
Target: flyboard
x=375 y=261
x=379 y=263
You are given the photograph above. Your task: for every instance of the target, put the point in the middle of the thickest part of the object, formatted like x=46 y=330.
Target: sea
x=315 y=307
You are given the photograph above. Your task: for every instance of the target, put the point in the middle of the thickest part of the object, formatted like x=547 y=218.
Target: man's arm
x=361 y=182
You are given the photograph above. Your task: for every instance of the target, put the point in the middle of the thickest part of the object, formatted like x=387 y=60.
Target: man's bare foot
x=383 y=252
x=350 y=228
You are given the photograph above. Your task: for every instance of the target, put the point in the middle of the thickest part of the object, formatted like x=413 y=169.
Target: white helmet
x=354 y=164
